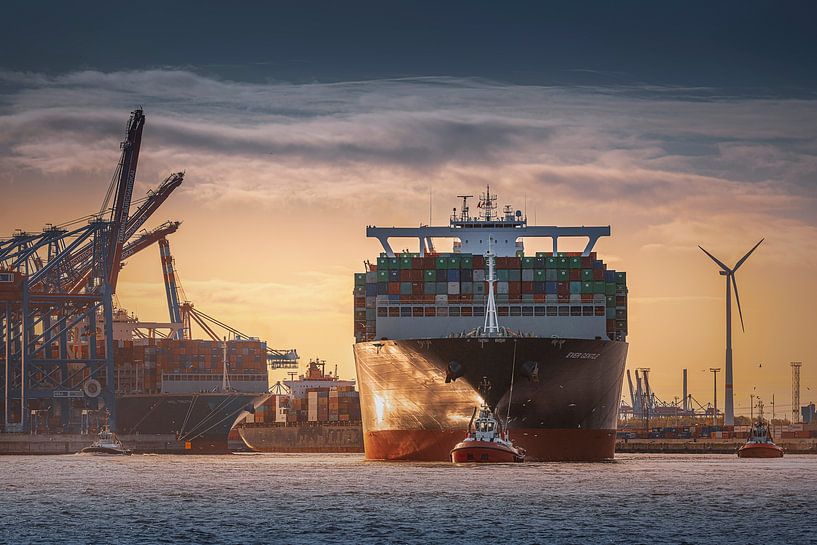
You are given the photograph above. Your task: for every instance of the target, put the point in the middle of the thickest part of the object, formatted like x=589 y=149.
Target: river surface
x=325 y=498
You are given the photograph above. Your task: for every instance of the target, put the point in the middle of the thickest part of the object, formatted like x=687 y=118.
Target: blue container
x=609 y=276
x=466 y=275
x=540 y=287
x=394 y=297
x=550 y=287
x=453 y=275
x=442 y=276
x=575 y=287
x=382 y=288
x=394 y=275
x=371 y=289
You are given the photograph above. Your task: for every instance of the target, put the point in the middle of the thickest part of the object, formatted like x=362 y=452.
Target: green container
x=430 y=275
x=575 y=262
x=453 y=263
x=562 y=263
x=562 y=275
x=621 y=278
x=539 y=275
x=587 y=287
x=599 y=287
x=442 y=263
x=405 y=261
x=382 y=275
x=479 y=288
x=382 y=263
x=528 y=262
x=514 y=275
x=542 y=254
x=360 y=279
x=394 y=263
x=502 y=275
x=587 y=275
x=466 y=262
x=609 y=289
x=551 y=262
x=551 y=275
x=611 y=301
x=405 y=288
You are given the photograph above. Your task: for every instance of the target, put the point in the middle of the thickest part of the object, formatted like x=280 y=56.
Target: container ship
x=546 y=331
x=317 y=412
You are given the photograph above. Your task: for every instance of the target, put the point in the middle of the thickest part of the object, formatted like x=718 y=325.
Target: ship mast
x=491 y=325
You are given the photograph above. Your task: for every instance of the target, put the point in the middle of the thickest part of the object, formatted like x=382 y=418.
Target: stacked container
x=455 y=285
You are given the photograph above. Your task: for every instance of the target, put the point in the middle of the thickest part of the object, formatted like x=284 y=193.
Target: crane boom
x=124 y=191
x=171 y=287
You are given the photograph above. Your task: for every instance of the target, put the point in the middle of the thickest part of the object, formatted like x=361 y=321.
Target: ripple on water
x=344 y=499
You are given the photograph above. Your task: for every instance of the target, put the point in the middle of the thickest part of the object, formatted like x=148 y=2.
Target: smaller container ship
x=317 y=412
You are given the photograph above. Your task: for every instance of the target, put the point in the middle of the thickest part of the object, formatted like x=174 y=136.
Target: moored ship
x=317 y=412
x=430 y=327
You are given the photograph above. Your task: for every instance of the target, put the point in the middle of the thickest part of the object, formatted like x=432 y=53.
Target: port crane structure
x=57 y=292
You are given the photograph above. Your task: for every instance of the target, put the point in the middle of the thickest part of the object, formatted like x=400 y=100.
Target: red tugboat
x=486 y=442
x=759 y=444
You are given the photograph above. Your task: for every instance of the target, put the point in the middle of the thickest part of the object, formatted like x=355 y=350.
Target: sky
x=299 y=124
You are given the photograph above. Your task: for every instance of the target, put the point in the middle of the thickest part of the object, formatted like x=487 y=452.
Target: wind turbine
x=729 y=409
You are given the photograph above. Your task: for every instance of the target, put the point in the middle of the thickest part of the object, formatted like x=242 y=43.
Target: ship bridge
x=471 y=233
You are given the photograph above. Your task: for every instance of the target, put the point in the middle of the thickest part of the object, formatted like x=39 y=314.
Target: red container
x=429 y=263
x=564 y=297
x=478 y=262
x=418 y=263
x=539 y=297
x=598 y=275
x=405 y=275
x=394 y=288
x=575 y=275
x=514 y=288
x=527 y=287
x=416 y=275
x=562 y=288
x=417 y=287
x=587 y=298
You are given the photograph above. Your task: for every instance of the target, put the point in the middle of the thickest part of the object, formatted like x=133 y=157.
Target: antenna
x=429 y=206
x=464 y=211
x=731 y=283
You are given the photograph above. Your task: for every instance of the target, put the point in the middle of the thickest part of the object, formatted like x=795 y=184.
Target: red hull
x=760 y=450
x=541 y=445
x=483 y=452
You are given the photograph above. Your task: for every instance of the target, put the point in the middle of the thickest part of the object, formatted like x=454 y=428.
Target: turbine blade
x=715 y=259
x=744 y=258
x=737 y=298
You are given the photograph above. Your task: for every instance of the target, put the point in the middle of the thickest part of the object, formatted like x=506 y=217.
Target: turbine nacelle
x=730 y=276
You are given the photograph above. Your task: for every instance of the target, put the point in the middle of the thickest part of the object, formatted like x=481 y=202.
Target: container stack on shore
x=144 y=365
x=454 y=284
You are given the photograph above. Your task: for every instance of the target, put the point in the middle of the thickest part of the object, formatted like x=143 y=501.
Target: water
x=322 y=498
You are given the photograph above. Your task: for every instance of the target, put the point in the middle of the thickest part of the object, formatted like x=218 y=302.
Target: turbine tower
x=729 y=402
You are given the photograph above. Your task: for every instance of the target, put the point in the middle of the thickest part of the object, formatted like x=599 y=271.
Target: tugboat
x=107 y=443
x=486 y=442
x=759 y=444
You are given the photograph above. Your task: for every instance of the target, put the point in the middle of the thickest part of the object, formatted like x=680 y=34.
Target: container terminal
x=72 y=363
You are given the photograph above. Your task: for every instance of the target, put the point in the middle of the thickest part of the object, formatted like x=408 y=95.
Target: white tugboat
x=486 y=442
x=106 y=443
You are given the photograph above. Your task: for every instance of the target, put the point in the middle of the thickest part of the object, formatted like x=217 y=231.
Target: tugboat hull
x=485 y=452
x=760 y=451
x=104 y=450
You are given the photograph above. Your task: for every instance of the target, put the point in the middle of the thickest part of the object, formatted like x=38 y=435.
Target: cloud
x=663 y=155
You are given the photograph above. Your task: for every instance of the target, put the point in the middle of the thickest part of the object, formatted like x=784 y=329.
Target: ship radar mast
x=491 y=326
x=488 y=204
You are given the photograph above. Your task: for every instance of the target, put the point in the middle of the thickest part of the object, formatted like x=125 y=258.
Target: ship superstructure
x=420 y=324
